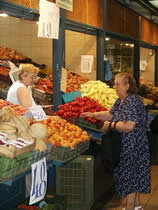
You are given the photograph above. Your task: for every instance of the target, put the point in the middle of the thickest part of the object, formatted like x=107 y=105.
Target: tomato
x=60 y=112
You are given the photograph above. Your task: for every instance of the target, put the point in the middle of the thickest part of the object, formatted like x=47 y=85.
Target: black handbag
x=154 y=124
x=110 y=149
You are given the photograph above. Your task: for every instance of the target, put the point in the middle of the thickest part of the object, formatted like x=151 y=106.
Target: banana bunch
x=9 y=129
x=6 y=113
x=14 y=125
x=21 y=123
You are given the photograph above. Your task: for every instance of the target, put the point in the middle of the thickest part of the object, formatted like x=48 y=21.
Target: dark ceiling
x=146 y=8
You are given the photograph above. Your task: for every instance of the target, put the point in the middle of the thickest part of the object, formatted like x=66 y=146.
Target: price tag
x=35 y=112
x=39 y=181
x=63 y=82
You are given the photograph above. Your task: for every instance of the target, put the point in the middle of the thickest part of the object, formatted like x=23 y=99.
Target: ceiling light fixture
x=3 y=15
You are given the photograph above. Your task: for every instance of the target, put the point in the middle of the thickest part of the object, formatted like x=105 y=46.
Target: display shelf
x=9 y=181
x=94 y=134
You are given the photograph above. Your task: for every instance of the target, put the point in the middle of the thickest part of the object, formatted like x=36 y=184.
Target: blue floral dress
x=133 y=171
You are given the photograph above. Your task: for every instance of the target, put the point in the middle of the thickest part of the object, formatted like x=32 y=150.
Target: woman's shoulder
x=19 y=84
x=135 y=99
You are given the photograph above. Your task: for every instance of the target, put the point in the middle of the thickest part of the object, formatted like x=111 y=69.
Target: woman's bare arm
x=24 y=97
x=121 y=126
x=104 y=115
x=124 y=126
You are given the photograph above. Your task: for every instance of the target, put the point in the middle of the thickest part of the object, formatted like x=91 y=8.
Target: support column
x=58 y=60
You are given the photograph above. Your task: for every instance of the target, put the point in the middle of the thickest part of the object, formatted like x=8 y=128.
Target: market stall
x=44 y=90
x=25 y=142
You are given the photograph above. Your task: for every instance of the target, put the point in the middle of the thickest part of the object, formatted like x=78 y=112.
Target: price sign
x=49 y=20
x=39 y=181
x=63 y=82
x=35 y=112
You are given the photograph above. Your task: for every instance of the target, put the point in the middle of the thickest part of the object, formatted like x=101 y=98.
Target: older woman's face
x=121 y=88
x=29 y=79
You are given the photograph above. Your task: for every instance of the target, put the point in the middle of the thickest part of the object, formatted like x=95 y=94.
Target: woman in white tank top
x=18 y=92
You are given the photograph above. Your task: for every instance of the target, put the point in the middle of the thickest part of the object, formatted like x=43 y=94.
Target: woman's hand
x=87 y=114
x=105 y=126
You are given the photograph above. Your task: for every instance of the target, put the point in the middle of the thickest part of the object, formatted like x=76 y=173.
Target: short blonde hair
x=26 y=69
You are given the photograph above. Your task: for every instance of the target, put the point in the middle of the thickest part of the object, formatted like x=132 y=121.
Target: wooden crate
x=11 y=152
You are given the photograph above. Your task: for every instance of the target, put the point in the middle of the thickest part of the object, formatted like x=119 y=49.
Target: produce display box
x=82 y=123
x=37 y=155
x=57 y=200
x=6 y=79
x=10 y=168
x=41 y=96
x=75 y=181
x=13 y=167
x=64 y=154
x=3 y=93
x=11 y=152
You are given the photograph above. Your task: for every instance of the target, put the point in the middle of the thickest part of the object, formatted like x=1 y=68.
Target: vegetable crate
x=41 y=96
x=56 y=201
x=64 y=154
x=74 y=180
x=37 y=155
x=82 y=123
x=13 y=167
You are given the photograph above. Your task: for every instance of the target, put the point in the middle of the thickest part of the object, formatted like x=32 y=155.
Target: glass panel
x=120 y=55
x=147 y=65
x=21 y=36
x=77 y=44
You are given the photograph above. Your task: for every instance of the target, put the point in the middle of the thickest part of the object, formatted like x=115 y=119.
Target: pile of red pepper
x=23 y=206
x=79 y=105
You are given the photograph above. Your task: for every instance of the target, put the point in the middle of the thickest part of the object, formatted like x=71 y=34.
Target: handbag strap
x=109 y=127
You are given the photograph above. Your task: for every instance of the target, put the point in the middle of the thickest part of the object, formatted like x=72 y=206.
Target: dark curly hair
x=128 y=78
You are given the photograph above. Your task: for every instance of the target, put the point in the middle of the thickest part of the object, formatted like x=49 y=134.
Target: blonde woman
x=18 y=92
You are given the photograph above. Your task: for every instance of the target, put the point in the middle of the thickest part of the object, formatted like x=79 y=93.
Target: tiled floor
x=149 y=201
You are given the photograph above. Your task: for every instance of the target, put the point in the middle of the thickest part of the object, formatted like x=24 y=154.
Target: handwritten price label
x=36 y=112
x=39 y=181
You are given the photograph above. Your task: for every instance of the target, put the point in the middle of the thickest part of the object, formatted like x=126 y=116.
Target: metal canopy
x=146 y=8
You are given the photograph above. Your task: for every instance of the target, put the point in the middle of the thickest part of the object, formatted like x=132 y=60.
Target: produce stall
x=43 y=93
x=24 y=142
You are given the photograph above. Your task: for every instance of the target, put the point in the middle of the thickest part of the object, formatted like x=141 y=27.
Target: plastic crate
x=75 y=181
x=13 y=167
x=37 y=155
x=58 y=201
x=64 y=154
x=82 y=123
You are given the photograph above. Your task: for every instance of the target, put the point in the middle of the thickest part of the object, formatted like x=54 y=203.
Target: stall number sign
x=39 y=181
x=48 y=26
x=35 y=112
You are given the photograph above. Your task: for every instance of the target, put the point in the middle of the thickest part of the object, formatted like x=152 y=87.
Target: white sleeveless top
x=12 y=93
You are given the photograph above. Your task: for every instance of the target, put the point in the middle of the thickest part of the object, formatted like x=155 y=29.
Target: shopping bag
x=154 y=124
x=110 y=149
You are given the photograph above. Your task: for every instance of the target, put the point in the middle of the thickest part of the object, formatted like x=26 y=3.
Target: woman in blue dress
x=132 y=174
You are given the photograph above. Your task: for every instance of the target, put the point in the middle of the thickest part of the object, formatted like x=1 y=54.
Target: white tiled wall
x=21 y=35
